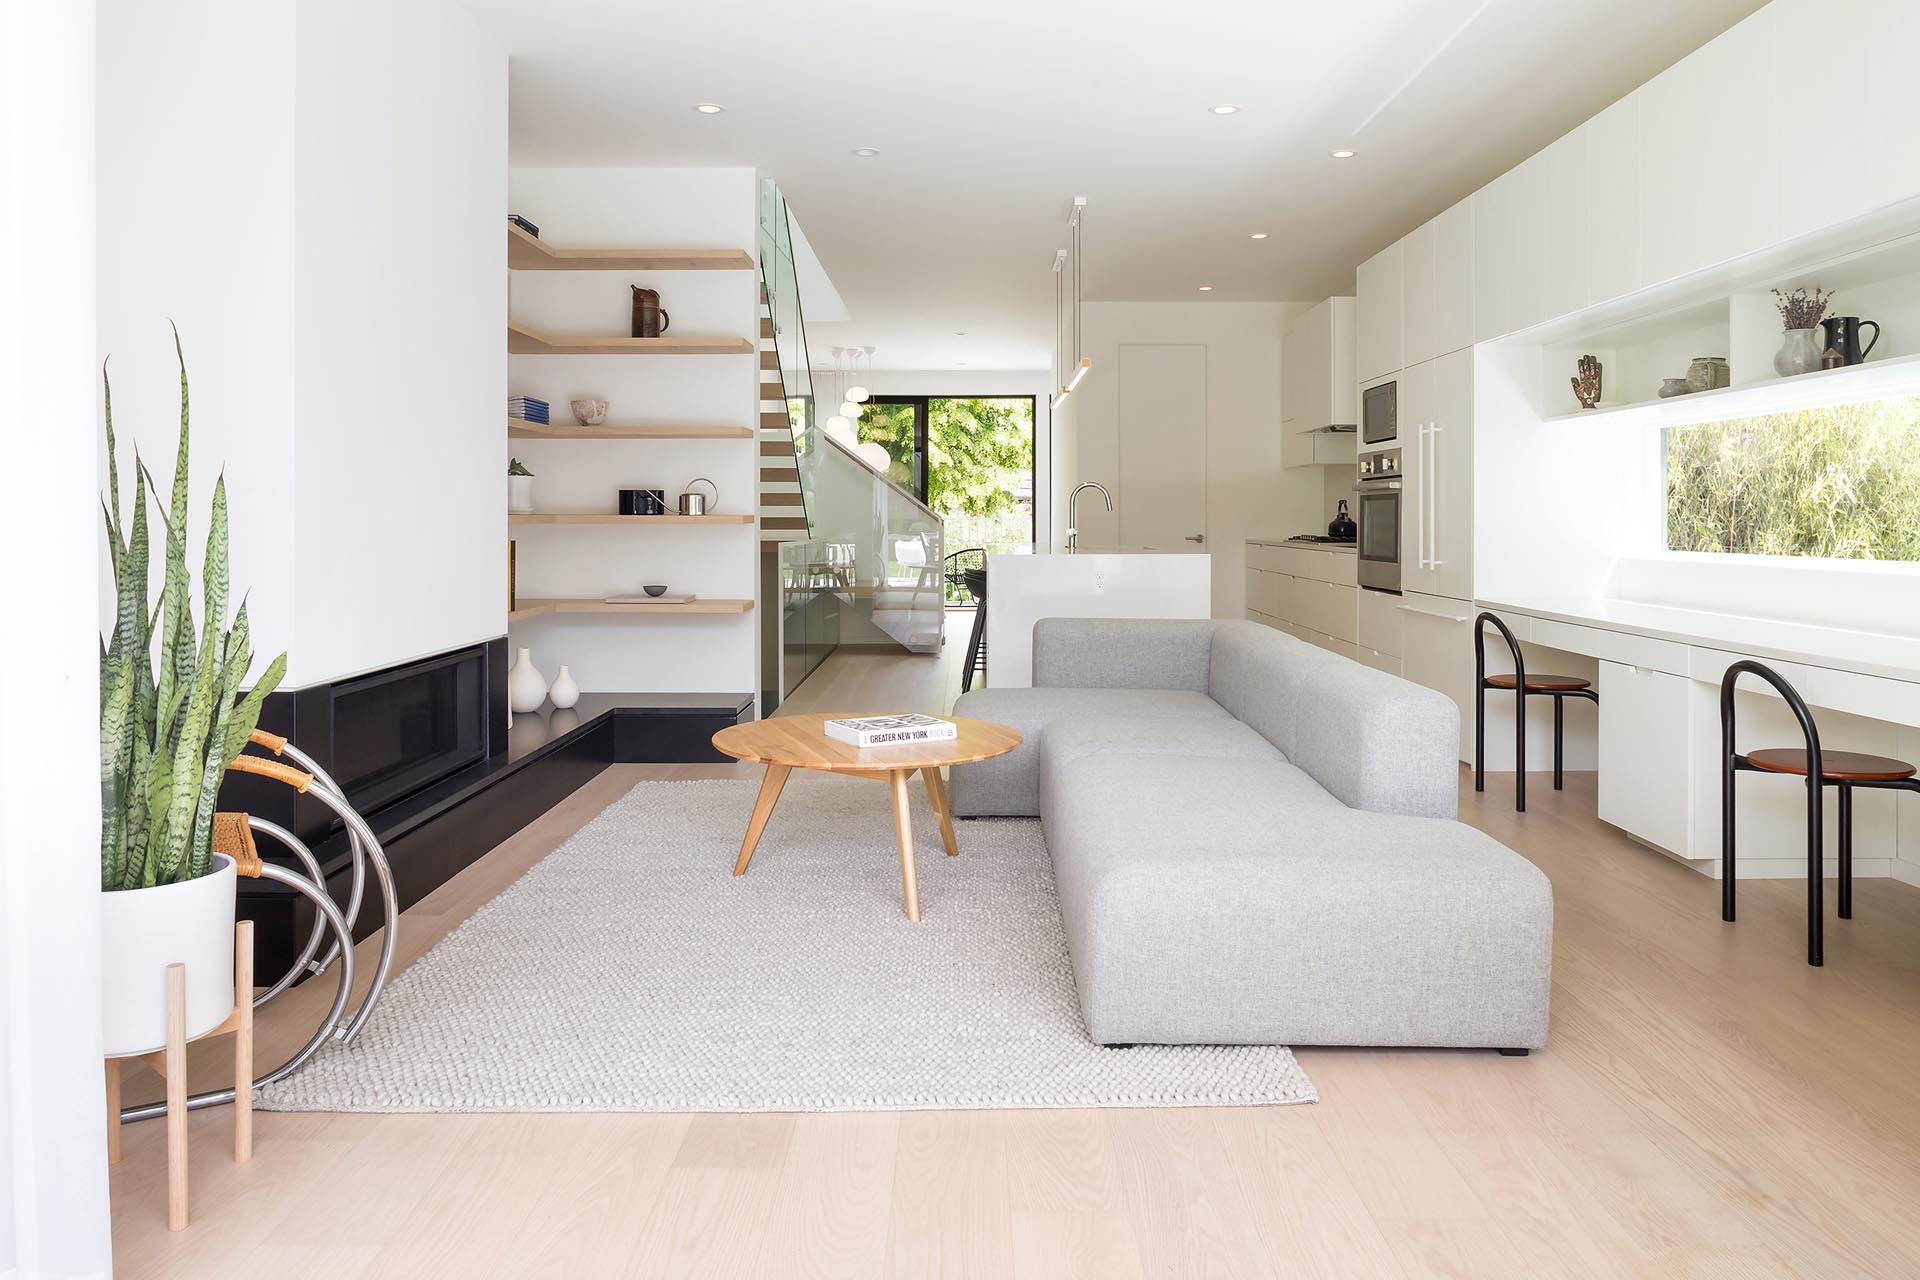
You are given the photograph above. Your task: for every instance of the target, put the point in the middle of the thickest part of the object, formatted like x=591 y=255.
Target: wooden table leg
x=937 y=792
x=176 y=1060
x=762 y=810
x=904 y=824
x=113 y=1111
x=243 y=1042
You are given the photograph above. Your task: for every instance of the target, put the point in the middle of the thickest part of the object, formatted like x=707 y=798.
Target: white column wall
x=53 y=1174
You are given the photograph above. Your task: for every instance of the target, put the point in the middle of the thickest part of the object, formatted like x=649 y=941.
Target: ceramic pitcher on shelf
x=1843 y=335
x=649 y=321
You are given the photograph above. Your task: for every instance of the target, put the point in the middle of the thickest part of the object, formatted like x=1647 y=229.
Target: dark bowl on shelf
x=655 y=588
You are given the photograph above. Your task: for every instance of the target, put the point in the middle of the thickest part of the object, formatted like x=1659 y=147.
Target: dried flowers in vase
x=1800 y=311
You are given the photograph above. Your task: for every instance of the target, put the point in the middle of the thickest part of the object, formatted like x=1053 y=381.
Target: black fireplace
x=398 y=731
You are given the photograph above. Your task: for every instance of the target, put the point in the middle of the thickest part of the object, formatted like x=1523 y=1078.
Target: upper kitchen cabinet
x=1613 y=201
x=1509 y=251
x=1708 y=146
x=1862 y=155
x=1377 y=321
x=1452 y=280
x=1565 y=210
x=1317 y=382
x=1417 y=316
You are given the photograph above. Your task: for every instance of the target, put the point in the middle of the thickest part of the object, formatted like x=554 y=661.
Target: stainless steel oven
x=1379 y=516
x=1380 y=414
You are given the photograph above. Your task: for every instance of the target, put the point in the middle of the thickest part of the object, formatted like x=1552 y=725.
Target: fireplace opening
x=399 y=731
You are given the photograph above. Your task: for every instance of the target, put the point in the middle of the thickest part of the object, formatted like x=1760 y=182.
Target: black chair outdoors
x=1559 y=688
x=966 y=574
x=1843 y=770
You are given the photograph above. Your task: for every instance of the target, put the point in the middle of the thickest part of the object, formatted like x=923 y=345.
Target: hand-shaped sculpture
x=1587 y=386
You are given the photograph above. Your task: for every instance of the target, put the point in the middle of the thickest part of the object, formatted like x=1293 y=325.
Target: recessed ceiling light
x=1224 y=109
x=1342 y=154
x=1206 y=288
x=708 y=108
x=1258 y=235
x=959 y=333
x=866 y=153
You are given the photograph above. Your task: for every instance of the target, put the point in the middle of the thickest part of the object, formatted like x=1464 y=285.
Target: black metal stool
x=1559 y=688
x=1822 y=769
x=976 y=580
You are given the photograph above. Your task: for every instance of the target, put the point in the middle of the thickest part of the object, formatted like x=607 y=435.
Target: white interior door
x=1163 y=446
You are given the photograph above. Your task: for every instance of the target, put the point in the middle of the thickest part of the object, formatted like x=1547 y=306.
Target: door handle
x=1197 y=537
x=1433 y=494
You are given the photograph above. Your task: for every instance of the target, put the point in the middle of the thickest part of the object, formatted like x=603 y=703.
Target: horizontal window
x=1840 y=482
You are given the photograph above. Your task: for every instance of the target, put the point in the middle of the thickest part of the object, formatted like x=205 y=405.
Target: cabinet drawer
x=1325 y=607
x=1332 y=644
x=1263 y=592
x=1644 y=651
x=1564 y=636
x=1378 y=661
x=1646 y=756
x=1380 y=625
x=1262 y=556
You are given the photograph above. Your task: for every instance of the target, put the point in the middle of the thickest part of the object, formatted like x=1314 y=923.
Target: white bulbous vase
x=564 y=692
x=526 y=687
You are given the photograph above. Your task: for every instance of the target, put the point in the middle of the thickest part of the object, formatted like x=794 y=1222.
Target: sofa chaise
x=1255 y=842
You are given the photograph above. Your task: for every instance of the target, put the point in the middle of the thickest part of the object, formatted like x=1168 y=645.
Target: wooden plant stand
x=171 y=1063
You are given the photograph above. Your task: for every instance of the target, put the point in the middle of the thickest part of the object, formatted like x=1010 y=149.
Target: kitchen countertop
x=1894 y=657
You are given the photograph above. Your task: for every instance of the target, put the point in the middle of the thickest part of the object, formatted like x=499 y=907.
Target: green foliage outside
x=168 y=731
x=1841 y=482
x=979 y=451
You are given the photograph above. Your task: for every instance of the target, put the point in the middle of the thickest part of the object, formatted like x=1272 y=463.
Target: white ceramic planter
x=519 y=493
x=142 y=931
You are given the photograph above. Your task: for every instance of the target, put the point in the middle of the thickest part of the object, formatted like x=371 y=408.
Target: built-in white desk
x=1660 y=668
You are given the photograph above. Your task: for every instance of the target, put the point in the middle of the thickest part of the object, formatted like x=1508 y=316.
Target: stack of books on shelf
x=527 y=409
x=882 y=731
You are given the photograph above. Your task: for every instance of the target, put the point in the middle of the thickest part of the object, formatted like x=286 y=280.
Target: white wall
x=400 y=366
x=320 y=213
x=53 y=1176
x=606 y=208
x=1249 y=494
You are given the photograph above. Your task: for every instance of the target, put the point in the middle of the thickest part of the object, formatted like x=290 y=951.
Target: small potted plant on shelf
x=1800 y=313
x=519 y=486
x=168 y=731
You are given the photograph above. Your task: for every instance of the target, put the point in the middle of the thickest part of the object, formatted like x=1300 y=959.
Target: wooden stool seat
x=1837 y=766
x=1542 y=684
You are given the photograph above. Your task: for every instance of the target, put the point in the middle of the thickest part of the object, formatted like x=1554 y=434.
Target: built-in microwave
x=1378 y=491
x=1380 y=414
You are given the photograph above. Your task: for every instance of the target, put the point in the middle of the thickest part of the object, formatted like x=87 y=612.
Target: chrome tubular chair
x=312 y=780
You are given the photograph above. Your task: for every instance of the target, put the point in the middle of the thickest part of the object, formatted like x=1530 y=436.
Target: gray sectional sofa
x=1255 y=842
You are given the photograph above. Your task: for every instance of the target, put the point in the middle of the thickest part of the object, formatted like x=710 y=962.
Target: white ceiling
x=991 y=116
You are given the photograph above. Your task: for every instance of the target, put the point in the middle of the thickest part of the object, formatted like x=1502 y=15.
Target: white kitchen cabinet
x=1377 y=316
x=1380 y=626
x=1418 y=337
x=1439 y=653
x=1453 y=279
x=1509 y=251
x=1867 y=157
x=1708 y=148
x=1647 y=758
x=1379 y=661
x=1565 y=209
x=1613 y=202
x=1436 y=459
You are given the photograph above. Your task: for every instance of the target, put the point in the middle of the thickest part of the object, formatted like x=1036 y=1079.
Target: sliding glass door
x=971 y=459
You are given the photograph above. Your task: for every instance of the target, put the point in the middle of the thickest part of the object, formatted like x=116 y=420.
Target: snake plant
x=168 y=729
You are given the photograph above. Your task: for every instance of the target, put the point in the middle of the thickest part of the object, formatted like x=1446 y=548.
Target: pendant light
x=1067 y=355
x=858 y=392
x=840 y=425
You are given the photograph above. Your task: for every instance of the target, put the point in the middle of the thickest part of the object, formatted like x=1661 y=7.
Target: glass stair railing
x=860 y=560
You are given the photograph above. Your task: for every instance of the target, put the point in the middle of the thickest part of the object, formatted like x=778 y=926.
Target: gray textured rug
x=630 y=971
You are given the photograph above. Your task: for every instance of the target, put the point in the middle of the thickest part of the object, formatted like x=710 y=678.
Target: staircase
x=783 y=509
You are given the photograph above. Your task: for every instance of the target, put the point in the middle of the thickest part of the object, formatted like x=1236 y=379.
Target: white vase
x=526 y=687
x=564 y=692
x=142 y=931
x=1798 y=353
x=519 y=493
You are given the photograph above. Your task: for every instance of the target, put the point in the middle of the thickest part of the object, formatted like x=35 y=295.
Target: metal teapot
x=1343 y=527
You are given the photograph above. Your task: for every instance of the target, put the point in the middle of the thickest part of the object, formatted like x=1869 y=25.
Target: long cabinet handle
x=1433 y=494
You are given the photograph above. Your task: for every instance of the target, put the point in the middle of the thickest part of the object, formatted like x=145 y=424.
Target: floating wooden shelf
x=551 y=517
x=525 y=341
x=525 y=253
x=521 y=429
x=1895 y=375
x=536 y=608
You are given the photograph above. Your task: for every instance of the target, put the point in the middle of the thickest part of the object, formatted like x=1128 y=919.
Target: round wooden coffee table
x=786 y=743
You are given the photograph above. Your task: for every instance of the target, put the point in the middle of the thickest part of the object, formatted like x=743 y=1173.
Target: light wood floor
x=1708 y=1106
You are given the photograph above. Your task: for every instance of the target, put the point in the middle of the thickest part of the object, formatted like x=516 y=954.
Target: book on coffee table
x=883 y=731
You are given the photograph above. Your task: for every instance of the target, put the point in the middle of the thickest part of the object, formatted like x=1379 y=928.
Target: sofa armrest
x=1122 y=653
x=1378 y=742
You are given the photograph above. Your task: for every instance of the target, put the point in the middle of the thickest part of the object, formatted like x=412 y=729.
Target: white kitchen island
x=1096 y=582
